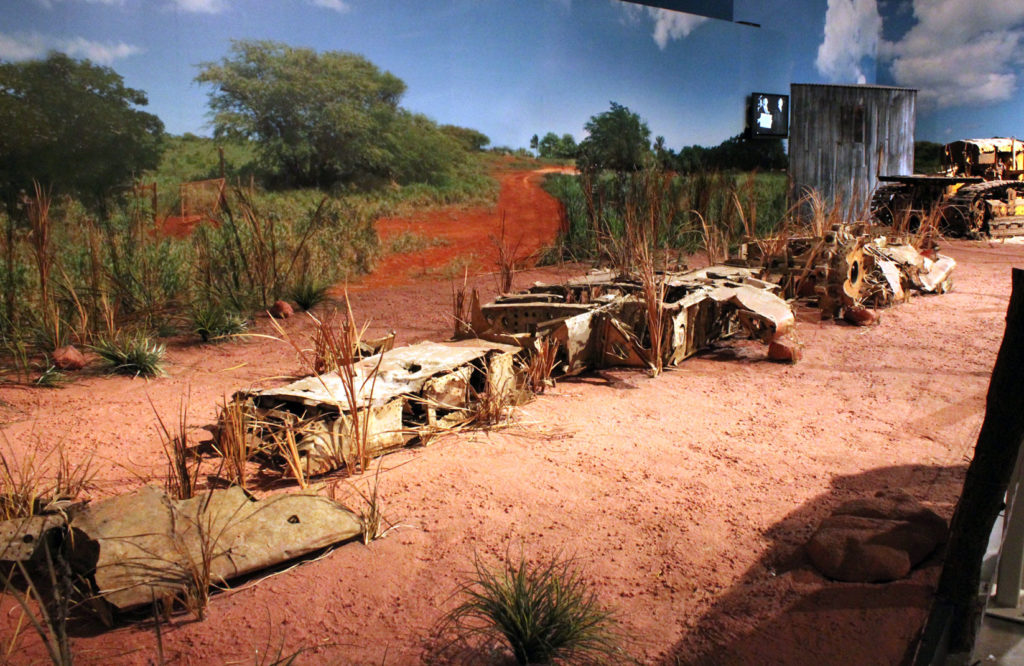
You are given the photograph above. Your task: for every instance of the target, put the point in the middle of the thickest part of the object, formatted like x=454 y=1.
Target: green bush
x=543 y=611
x=215 y=322
x=133 y=354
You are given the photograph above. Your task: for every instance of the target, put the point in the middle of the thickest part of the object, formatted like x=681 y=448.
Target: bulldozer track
x=968 y=205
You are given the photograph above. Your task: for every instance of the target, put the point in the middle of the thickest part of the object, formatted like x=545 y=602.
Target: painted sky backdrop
x=514 y=68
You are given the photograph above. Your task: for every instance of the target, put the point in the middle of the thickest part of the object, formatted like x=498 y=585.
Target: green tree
x=470 y=139
x=319 y=118
x=419 y=150
x=74 y=127
x=927 y=157
x=618 y=139
x=738 y=153
x=557 y=147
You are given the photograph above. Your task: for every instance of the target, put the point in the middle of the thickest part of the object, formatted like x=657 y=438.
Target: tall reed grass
x=70 y=277
x=676 y=211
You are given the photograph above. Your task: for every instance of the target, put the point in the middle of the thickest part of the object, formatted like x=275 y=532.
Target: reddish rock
x=860 y=316
x=877 y=539
x=778 y=351
x=281 y=310
x=68 y=358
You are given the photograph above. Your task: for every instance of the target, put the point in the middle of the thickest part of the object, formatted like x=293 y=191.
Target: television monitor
x=768 y=115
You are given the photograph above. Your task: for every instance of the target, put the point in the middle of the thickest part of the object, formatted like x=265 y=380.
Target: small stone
x=281 y=310
x=779 y=351
x=860 y=316
x=68 y=358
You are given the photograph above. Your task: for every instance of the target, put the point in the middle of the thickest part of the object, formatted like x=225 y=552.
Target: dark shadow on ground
x=781 y=611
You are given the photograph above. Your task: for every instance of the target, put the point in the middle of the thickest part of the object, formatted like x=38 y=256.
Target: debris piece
x=600 y=320
x=848 y=268
x=143 y=545
x=398 y=391
x=876 y=539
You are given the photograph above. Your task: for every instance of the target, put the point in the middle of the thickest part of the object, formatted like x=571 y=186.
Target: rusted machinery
x=847 y=268
x=979 y=193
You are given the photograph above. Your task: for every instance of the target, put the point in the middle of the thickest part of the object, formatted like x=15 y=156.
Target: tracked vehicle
x=979 y=193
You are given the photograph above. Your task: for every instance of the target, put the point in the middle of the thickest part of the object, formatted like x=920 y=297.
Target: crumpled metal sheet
x=439 y=377
x=600 y=319
x=144 y=545
x=381 y=378
x=20 y=537
x=848 y=267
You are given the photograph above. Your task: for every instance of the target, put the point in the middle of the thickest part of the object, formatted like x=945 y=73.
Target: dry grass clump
x=540 y=364
x=182 y=463
x=508 y=257
x=41 y=480
x=337 y=347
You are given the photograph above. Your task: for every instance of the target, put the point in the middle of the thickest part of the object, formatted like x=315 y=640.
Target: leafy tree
x=927 y=157
x=557 y=147
x=470 y=139
x=618 y=139
x=534 y=142
x=420 y=151
x=319 y=118
x=738 y=153
x=74 y=127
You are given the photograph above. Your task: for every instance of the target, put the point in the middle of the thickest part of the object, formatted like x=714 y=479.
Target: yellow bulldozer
x=980 y=192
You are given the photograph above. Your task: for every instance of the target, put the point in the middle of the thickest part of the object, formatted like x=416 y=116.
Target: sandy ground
x=686 y=498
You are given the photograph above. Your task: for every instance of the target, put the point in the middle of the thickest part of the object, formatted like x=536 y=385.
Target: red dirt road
x=686 y=498
x=471 y=237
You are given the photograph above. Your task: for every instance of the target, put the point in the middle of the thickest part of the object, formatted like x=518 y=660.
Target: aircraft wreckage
x=139 y=547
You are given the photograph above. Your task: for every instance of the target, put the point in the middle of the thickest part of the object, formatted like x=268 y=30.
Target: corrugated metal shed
x=843 y=137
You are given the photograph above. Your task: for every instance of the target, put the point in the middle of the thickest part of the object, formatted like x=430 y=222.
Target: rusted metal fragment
x=384 y=377
x=20 y=538
x=764 y=315
x=848 y=267
x=600 y=319
x=330 y=443
x=396 y=392
x=145 y=545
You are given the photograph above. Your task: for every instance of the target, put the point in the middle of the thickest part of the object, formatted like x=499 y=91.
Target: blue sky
x=513 y=68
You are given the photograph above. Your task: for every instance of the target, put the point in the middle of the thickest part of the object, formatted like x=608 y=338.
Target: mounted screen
x=768 y=115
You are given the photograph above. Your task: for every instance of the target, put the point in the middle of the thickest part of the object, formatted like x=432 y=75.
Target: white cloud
x=670 y=25
x=103 y=53
x=200 y=6
x=337 y=5
x=960 y=52
x=34 y=45
x=852 y=33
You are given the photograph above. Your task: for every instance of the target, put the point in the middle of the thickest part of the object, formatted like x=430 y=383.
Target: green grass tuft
x=545 y=611
x=135 y=355
x=308 y=294
x=216 y=323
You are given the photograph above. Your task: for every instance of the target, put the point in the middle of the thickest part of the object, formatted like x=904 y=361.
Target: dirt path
x=685 y=497
x=468 y=239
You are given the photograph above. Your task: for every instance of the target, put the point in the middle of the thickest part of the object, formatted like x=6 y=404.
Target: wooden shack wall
x=843 y=137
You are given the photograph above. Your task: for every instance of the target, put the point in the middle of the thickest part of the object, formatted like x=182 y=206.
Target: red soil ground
x=686 y=498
